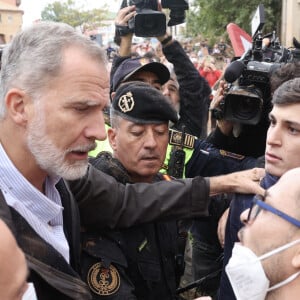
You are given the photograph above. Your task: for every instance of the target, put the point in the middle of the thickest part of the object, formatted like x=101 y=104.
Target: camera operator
x=244 y=139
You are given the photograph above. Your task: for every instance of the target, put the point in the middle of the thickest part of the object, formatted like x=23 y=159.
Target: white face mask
x=246 y=273
x=30 y=293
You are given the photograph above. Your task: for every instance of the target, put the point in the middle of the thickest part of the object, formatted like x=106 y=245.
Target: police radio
x=177 y=158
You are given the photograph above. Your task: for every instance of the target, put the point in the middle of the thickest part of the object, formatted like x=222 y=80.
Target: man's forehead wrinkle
x=87 y=101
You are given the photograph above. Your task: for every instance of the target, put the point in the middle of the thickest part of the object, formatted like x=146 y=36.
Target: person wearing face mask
x=266 y=262
x=282 y=154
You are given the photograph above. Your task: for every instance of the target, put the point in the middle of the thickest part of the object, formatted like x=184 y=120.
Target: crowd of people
x=113 y=185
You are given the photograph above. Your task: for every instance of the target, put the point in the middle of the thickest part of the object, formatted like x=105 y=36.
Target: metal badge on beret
x=126 y=102
x=103 y=281
x=140 y=102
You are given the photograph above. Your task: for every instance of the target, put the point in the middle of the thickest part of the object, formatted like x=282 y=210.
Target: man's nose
x=150 y=140
x=244 y=216
x=165 y=92
x=96 y=129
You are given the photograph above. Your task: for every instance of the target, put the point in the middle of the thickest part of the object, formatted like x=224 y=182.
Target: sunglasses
x=258 y=204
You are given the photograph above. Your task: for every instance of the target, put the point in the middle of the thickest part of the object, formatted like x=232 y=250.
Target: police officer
x=143 y=261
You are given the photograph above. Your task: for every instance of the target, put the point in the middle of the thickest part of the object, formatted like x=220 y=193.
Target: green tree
x=210 y=17
x=69 y=13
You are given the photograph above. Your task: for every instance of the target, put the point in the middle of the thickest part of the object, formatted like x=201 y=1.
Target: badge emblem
x=232 y=155
x=126 y=102
x=103 y=281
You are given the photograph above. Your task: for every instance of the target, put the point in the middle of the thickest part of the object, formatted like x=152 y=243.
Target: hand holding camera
x=216 y=109
x=149 y=21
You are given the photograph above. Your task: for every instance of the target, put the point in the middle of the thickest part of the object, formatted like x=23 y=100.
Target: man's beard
x=49 y=157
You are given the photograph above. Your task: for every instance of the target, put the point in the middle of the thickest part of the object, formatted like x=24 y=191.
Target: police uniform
x=139 y=262
x=207 y=254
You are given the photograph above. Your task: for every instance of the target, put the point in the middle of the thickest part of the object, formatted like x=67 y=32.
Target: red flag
x=241 y=41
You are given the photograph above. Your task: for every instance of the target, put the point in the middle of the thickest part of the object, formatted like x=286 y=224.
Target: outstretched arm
x=244 y=182
x=103 y=202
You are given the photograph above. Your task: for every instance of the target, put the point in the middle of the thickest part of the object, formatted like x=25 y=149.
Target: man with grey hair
x=53 y=89
x=51 y=77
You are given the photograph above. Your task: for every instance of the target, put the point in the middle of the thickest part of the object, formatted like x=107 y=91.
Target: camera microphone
x=234 y=71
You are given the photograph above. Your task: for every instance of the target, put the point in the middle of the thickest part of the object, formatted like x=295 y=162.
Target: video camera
x=249 y=76
x=149 y=22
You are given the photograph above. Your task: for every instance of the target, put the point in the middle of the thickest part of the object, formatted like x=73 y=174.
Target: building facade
x=290 y=22
x=10 y=19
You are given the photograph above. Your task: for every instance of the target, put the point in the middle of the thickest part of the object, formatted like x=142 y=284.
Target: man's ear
x=112 y=95
x=16 y=103
x=296 y=259
x=111 y=134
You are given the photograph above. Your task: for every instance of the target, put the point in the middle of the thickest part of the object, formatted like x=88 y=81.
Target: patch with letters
x=103 y=281
x=232 y=155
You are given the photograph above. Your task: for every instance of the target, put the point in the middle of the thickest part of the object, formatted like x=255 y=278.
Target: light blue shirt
x=42 y=212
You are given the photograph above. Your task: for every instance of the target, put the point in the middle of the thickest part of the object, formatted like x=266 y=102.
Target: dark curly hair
x=285 y=73
x=288 y=92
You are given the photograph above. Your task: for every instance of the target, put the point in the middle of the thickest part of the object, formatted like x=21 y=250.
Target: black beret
x=141 y=103
x=130 y=66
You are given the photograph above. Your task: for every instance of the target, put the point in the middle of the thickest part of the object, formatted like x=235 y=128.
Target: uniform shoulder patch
x=177 y=138
x=103 y=281
x=232 y=155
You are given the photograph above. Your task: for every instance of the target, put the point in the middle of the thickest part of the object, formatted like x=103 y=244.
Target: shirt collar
x=13 y=182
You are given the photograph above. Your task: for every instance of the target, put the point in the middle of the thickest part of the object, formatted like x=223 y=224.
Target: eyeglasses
x=258 y=204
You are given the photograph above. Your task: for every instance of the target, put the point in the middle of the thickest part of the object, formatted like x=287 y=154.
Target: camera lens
x=246 y=108
x=243 y=105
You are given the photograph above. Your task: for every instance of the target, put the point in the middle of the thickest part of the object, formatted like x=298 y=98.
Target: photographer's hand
x=124 y=15
x=224 y=125
x=165 y=39
x=121 y=21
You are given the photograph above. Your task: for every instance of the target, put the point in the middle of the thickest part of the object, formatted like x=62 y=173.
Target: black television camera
x=249 y=77
x=149 y=22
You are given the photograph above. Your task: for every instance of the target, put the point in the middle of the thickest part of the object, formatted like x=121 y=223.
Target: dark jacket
x=143 y=255
x=52 y=276
x=194 y=91
x=104 y=202
x=208 y=160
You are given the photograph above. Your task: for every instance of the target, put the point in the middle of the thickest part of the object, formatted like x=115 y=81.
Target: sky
x=33 y=8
